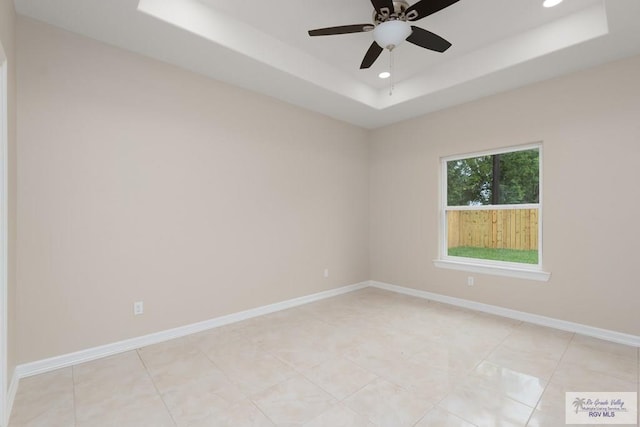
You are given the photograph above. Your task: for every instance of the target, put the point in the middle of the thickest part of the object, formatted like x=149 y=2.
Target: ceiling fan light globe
x=390 y=34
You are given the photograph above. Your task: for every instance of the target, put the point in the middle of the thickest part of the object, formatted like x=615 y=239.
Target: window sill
x=520 y=273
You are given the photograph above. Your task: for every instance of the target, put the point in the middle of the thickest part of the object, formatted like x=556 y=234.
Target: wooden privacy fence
x=498 y=229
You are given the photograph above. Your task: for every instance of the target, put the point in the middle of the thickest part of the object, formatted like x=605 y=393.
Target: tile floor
x=369 y=358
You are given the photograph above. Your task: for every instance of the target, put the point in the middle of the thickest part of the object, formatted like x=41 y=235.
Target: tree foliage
x=471 y=181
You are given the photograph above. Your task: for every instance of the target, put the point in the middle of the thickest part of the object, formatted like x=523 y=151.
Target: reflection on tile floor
x=369 y=358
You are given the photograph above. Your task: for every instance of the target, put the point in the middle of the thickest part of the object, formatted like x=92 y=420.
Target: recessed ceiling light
x=384 y=75
x=551 y=3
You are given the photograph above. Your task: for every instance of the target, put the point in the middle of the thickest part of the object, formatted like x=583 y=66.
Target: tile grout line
x=250 y=397
x=255 y=405
x=156 y=388
x=484 y=359
x=75 y=406
x=297 y=373
x=340 y=401
x=466 y=375
x=424 y=414
x=515 y=400
x=247 y=396
x=573 y=335
x=231 y=381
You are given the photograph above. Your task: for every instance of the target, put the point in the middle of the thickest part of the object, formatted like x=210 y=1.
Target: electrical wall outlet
x=326 y=273
x=471 y=281
x=138 y=308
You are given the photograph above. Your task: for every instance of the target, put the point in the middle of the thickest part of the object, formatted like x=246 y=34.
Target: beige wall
x=7 y=39
x=141 y=181
x=590 y=125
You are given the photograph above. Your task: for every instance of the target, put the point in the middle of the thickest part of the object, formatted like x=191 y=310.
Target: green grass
x=509 y=255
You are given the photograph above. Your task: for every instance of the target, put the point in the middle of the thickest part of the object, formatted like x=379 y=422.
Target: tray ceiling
x=263 y=46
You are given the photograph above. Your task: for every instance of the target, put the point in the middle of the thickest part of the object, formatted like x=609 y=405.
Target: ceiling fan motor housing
x=398 y=13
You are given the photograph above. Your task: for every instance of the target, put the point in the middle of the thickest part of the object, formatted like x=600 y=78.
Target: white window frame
x=476 y=265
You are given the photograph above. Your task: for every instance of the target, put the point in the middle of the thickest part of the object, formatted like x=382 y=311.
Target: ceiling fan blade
x=344 y=29
x=379 y=5
x=427 y=7
x=372 y=54
x=428 y=40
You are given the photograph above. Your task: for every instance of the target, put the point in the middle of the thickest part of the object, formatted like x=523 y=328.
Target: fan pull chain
x=391 y=71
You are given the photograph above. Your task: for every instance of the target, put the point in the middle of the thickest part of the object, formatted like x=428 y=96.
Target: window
x=491 y=212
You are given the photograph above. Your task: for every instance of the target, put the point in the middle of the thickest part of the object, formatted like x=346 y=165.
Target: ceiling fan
x=391 y=27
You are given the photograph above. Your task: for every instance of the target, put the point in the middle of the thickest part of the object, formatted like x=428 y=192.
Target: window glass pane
x=499 y=234
x=519 y=174
x=469 y=181
x=499 y=179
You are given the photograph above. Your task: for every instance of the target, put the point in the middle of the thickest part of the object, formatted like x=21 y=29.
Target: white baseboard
x=604 y=334
x=63 y=361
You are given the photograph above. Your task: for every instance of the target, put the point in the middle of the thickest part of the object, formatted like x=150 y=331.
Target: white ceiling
x=263 y=45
